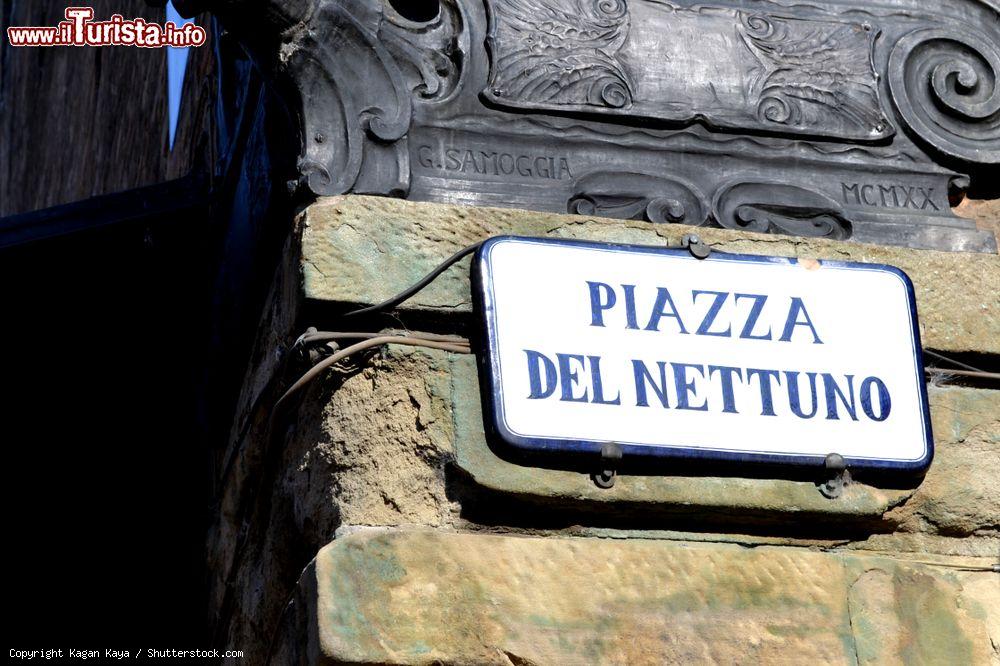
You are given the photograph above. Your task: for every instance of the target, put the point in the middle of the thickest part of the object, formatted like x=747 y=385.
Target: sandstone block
x=422 y=597
x=365 y=249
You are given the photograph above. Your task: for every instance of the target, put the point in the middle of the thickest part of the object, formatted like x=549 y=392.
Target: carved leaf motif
x=811 y=73
x=558 y=52
x=659 y=60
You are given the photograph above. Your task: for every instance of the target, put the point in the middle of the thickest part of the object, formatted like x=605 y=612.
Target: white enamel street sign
x=733 y=357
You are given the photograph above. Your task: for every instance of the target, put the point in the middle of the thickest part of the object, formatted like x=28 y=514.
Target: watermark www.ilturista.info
x=79 y=29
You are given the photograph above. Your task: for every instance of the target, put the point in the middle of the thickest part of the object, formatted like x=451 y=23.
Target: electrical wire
x=967 y=371
x=456 y=345
x=430 y=277
x=426 y=280
x=980 y=374
x=368 y=340
x=942 y=357
x=310 y=337
x=328 y=336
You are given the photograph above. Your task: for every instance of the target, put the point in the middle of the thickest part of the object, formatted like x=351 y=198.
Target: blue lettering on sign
x=642 y=378
x=885 y=403
x=711 y=321
x=759 y=300
x=794 y=401
x=835 y=394
x=764 y=378
x=579 y=378
x=713 y=312
x=797 y=310
x=602 y=297
x=726 y=377
x=660 y=311
x=684 y=385
x=569 y=378
x=537 y=365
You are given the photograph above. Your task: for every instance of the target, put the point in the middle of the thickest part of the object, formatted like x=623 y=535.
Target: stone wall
x=373 y=524
x=82 y=122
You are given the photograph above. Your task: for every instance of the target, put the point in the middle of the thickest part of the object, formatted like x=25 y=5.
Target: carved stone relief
x=848 y=119
x=944 y=83
x=662 y=62
x=358 y=73
x=635 y=196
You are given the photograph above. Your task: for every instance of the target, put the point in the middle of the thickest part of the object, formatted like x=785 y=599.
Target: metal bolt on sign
x=833 y=487
x=697 y=248
x=611 y=454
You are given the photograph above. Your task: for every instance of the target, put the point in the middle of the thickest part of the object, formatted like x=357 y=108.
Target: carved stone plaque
x=646 y=59
x=850 y=119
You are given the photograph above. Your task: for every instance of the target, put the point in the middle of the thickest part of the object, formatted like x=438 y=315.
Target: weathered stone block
x=422 y=597
x=365 y=249
x=373 y=451
x=690 y=495
x=660 y=571
x=957 y=497
x=353 y=468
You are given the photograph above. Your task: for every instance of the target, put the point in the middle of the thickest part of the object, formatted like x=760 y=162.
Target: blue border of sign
x=482 y=282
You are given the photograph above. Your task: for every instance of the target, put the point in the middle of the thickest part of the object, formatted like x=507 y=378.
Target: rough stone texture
x=372 y=450
x=658 y=569
x=422 y=597
x=683 y=494
x=352 y=247
x=348 y=466
x=986 y=213
x=398 y=439
x=960 y=495
x=427 y=410
x=368 y=445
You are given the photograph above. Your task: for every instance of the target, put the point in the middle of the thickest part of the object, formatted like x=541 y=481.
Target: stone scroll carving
x=357 y=71
x=643 y=59
x=809 y=74
x=431 y=54
x=782 y=209
x=634 y=196
x=945 y=85
x=358 y=107
x=843 y=119
x=743 y=206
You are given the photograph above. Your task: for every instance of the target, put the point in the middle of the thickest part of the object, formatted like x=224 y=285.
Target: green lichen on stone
x=364 y=249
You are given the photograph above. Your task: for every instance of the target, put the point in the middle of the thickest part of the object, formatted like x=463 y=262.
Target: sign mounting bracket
x=697 y=247
x=611 y=455
x=840 y=476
